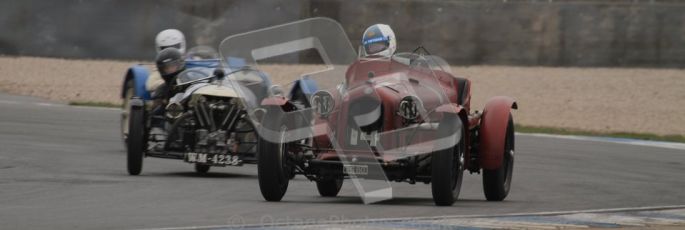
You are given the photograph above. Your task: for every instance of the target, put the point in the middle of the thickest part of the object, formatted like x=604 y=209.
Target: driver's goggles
x=169 y=68
x=376 y=46
x=177 y=46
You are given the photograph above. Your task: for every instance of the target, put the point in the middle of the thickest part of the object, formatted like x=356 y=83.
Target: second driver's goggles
x=177 y=46
x=170 y=66
x=376 y=45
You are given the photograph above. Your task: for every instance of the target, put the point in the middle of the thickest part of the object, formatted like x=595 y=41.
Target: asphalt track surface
x=63 y=167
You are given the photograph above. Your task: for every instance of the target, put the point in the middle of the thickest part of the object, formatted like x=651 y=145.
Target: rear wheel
x=496 y=183
x=447 y=165
x=329 y=187
x=273 y=169
x=135 y=141
x=201 y=169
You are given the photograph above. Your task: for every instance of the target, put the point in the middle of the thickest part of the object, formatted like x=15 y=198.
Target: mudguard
x=493 y=128
x=138 y=74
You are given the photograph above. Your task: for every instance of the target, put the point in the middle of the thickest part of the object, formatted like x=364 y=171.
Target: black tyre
x=273 y=169
x=329 y=187
x=202 y=169
x=135 y=141
x=447 y=165
x=496 y=183
x=126 y=109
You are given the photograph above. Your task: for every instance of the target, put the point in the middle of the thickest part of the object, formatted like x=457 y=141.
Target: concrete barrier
x=125 y=29
x=568 y=33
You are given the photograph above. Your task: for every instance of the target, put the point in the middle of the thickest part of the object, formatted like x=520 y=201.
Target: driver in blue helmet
x=378 y=41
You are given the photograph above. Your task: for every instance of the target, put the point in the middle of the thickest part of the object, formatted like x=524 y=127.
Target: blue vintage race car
x=207 y=122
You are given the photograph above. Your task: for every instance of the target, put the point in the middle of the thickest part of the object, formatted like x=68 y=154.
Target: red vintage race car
x=377 y=120
x=404 y=118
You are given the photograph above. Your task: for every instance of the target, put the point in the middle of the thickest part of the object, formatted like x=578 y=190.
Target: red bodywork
x=382 y=77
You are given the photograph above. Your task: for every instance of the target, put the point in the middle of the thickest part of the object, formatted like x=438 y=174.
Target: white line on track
x=661 y=144
x=91 y=107
x=362 y=221
x=48 y=104
x=8 y=102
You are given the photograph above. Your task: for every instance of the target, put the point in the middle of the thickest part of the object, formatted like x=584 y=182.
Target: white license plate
x=356 y=169
x=215 y=159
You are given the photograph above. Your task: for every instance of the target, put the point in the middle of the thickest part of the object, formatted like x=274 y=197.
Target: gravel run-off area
x=635 y=100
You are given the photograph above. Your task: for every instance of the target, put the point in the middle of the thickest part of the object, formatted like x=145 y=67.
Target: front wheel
x=447 y=163
x=329 y=187
x=273 y=169
x=497 y=182
x=202 y=169
x=135 y=141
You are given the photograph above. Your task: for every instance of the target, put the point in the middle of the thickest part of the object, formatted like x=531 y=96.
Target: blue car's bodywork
x=138 y=75
x=207 y=63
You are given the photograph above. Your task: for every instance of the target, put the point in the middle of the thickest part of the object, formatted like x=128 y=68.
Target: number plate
x=213 y=159
x=356 y=169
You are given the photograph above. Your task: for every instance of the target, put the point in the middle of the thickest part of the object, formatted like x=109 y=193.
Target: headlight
x=323 y=103
x=174 y=110
x=410 y=107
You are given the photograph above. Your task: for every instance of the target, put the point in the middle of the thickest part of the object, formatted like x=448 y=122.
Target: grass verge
x=95 y=104
x=564 y=131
